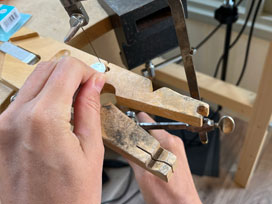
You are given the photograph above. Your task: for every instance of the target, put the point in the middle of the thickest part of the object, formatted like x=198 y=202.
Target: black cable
x=124 y=192
x=239 y=2
x=205 y=39
x=237 y=38
x=218 y=66
x=208 y=36
x=249 y=43
x=131 y=197
x=213 y=31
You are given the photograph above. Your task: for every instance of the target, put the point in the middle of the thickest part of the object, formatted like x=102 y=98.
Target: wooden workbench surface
x=50 y=19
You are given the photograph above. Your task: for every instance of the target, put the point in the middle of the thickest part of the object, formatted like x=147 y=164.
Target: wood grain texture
x=258 y=124
x=136 y=92
x=2 y=57
x=132 y=90
x=123 y=135
x=5 y=91
x=22 y=34
x=5 y=94
x=15 y=72
x=214 y=90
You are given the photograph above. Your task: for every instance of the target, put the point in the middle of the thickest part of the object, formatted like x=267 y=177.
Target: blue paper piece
x=6 y=36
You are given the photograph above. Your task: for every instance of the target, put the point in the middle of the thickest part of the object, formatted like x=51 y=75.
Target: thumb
x=87 y=125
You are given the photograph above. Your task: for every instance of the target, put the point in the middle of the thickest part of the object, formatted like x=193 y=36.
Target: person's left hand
x=41 y=159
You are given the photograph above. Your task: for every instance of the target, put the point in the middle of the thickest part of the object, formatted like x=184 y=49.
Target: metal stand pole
x=226 y=52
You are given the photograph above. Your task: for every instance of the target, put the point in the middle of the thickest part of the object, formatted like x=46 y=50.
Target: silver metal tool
x=226 y=125
x=76 y=22
x=78 y=19
x=19 y=53
x=75 y=6
x=13 y=97
x=178 y=16
x=149 y=70
x=78 y=16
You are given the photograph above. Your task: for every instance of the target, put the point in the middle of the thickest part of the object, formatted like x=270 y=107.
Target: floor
x=221 y=190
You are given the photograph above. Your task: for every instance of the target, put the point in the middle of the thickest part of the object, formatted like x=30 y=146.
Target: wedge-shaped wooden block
x=136 y=92
x=131 y=90
x=123 y=135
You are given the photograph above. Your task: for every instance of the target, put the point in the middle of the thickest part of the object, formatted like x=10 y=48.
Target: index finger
x=65 y=80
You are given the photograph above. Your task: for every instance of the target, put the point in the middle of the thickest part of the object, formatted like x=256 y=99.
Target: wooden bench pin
x=123 y=135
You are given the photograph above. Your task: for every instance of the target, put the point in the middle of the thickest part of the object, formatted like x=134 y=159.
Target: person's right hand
x=42 y=160
x=181 y=188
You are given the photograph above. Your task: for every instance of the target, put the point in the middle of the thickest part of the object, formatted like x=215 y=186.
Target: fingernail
x=99 y=81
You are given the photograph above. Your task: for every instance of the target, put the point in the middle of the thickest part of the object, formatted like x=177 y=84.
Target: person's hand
x=181 y=188
x=41 y=159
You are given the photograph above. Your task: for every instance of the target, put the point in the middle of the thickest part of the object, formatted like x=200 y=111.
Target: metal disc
x=226 y=124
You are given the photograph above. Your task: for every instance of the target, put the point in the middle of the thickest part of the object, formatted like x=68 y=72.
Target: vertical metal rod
x=178 y=16
x=226 y=52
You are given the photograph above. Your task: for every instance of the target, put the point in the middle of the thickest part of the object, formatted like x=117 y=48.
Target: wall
x=208 y=55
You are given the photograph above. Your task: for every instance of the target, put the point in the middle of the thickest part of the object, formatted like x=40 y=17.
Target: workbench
x=254 y=106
